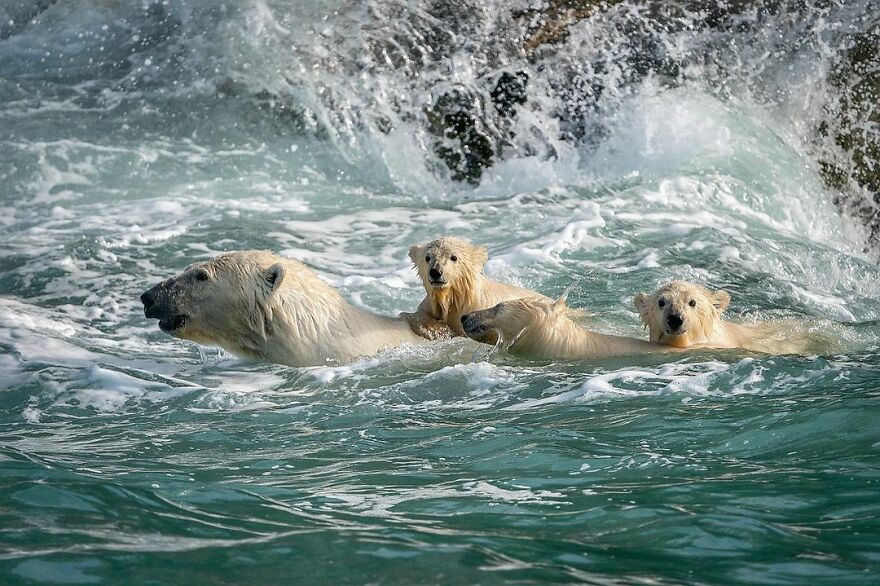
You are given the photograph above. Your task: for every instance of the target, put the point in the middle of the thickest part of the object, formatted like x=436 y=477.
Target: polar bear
x=258 y=305
x=684 y=314
x=687 y=315
x=451 y=270
x=542 y=329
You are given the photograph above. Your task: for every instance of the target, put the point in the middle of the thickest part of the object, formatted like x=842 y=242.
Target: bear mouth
x=172 y=324
x=439 y=284
x=676 y=332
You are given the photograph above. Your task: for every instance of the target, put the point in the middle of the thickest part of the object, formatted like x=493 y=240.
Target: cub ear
x=481 y=255
x=720 y=299
x=274 y=276
x=415 y=253
x=641 y=302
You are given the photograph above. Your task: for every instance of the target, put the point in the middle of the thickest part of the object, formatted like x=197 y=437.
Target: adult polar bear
x=256 y=304
x=451 y=270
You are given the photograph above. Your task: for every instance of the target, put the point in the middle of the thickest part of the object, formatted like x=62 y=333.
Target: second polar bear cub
x=685 y=315
x=543 y=330
x=451 y=270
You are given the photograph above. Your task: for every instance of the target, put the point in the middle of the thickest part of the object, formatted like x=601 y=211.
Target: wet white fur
x=541 y=329
x=468 y=289
x=703 y=327
x=259 y=305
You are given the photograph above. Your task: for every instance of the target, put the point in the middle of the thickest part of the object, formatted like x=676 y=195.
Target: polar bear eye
x=428 y=258
x=692 y=303
x=662 y=303
x=453 y=258
x=201 y=275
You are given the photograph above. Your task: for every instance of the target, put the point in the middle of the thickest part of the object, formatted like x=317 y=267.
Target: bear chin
x=172 y=324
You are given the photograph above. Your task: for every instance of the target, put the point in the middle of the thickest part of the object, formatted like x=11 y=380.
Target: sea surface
x=137 y=137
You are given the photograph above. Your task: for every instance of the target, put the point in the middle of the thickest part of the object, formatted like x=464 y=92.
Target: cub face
x=681 y=313
x=444 y=262
x=510 y=320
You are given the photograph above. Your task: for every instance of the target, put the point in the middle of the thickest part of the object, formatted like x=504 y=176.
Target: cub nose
x=469 y=323
x=674 y=321
x=435 y=274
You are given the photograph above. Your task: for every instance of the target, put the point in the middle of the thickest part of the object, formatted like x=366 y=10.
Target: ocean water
x=139 y=136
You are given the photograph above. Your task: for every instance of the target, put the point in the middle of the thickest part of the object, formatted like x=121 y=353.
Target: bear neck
x=556 y=338
x=319 y=327
x=461 y=294
x=682 y=341
x=562 y=339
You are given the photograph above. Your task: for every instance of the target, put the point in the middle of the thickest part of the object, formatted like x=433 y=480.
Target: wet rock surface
x=476 y=82
x=852 y=125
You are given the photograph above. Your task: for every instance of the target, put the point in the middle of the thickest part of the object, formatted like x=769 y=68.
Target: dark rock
x=473 y=127
x=509 y=91
x=467 y=148
x=551 y=20
x=853 y=124
x=15 y=17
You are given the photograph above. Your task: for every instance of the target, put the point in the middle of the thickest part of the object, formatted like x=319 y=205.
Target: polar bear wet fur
x=541 y=329
x=686 y=315
x=256 y=304
x=451 y=270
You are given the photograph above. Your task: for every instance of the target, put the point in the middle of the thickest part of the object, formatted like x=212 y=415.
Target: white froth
x=383 y=504
x=479 y=377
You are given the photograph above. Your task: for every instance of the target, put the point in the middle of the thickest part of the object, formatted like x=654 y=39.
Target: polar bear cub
x=451 y=270
x=541 y=329
x=258 y=305
x=686 y=315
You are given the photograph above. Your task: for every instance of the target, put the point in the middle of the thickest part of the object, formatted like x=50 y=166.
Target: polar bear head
x=237 y=300
x=449 y=264
x=530 y=326
x=680 y=313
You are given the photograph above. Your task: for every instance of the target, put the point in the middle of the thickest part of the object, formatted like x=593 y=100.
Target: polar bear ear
x=481 y=255
x=274 y=276
x=415 y=253
x=720 y=299
x=559 y=304
x=641 y=302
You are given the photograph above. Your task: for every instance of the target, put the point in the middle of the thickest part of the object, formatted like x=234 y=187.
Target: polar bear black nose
x=471 y=324
x=154 y=300
x=435 y=274
x=674 y=321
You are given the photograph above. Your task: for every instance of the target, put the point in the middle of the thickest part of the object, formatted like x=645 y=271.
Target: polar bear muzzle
x=159 y=304
x=479 y=325
x=674 y=323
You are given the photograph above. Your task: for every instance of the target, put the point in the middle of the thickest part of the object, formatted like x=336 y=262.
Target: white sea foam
x=686 y=183
x=383 y=504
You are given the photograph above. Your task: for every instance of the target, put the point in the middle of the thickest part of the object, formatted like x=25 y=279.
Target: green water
x=128 y=456
x=446 y=481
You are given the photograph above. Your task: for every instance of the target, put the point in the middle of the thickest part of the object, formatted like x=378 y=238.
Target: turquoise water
x=127 y=455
